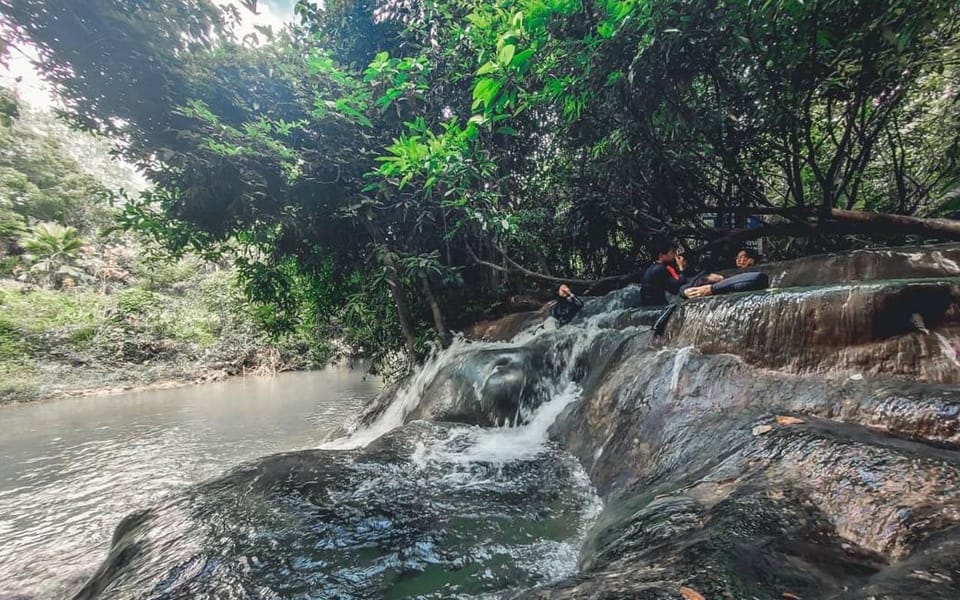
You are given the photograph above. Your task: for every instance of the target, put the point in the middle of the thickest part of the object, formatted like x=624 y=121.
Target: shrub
x=162 y=274
x=82 y=337
x=12 y=342
x=135 y=302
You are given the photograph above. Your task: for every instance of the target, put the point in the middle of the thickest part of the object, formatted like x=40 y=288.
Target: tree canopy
x=379 y=164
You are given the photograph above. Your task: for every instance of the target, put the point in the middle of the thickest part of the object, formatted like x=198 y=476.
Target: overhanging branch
x=517 y=269
x=943 y=228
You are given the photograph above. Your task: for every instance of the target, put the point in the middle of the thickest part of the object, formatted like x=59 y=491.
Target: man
x=666 y=274
x=746 y=258
x=566 y=306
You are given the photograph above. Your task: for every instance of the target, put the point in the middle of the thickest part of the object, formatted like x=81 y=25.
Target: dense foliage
x=382 y=167
x=84 y=306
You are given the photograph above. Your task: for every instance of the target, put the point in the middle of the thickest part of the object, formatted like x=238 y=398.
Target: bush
x=13 y=344
x=82 y=337
x=159 y=274
x=41 y=310
x=135 y=302
x=8 y=264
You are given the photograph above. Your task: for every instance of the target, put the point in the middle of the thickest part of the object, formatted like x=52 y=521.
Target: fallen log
x=948 y=228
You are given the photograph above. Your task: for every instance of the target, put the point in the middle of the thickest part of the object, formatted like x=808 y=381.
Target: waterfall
x=563 y=350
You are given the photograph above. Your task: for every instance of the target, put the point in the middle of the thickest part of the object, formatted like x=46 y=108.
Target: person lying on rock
x=746 y=258
x=666 y=275
x=566 y=306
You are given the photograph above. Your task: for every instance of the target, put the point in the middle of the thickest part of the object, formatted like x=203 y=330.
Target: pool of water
x=71 y=469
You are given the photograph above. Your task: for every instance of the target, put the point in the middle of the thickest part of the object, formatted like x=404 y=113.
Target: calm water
x=70 y=470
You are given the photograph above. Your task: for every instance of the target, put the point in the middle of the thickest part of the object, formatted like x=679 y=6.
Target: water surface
x=71 y=469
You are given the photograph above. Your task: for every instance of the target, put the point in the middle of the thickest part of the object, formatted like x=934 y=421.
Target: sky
x=32 y=90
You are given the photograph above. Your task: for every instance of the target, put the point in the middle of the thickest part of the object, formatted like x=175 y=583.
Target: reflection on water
x=70 y=470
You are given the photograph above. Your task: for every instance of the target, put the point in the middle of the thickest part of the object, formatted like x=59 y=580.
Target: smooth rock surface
x=866 y=328
x=936 y=261
x=385 y=521
x=704 y=488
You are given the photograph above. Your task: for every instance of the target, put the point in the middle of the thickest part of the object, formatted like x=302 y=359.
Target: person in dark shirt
x=666 y=275
x=566 y=306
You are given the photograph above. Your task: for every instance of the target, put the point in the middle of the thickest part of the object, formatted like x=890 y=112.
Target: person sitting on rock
x=746 y=258
x=741 y=282
x=666 y=275
x=566 y=306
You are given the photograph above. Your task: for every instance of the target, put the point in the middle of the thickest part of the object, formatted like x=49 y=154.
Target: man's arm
x=673 y=285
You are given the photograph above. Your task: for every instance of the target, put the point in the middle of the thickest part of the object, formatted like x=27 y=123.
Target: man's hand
x=701 y=291
x=681 y=263
x=714 y=278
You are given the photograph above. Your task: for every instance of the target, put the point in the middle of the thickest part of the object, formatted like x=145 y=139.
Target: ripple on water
x=373 y=523
x=71 y=470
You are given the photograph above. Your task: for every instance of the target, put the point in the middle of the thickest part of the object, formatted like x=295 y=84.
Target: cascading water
x=397 y=507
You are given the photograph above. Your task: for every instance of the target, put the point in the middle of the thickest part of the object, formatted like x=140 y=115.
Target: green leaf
x=486 y=68
x=482 y=87
x=520 y=60
x=506 y=54
x=824 y=39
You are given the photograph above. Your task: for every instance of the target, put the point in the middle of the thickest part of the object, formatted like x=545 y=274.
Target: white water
x=460 y=453
x=522 y=439
x=407 y=397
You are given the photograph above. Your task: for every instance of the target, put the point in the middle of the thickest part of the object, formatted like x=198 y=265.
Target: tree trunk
x=948 y=228
x=438 y=323
x=403 y=307
x=396 y=290
x=403 y=310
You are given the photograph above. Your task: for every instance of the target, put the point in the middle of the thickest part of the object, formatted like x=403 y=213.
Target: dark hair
x=751 y=253
x=658 y=247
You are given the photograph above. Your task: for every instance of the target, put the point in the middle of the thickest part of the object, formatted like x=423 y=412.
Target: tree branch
x=515 y=268
x=944 y=228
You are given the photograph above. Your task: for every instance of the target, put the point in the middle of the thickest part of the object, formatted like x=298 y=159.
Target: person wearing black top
x=666 y=274
x=566 y=306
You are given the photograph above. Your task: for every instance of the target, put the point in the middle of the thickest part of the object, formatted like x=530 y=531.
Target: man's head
x=564 y=291
x=746 y=258
x=664 y=251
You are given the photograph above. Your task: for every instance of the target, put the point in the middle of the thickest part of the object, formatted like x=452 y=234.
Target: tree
x=407 y=156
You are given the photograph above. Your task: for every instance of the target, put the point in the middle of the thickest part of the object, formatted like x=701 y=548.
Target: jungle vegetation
x=389 y=170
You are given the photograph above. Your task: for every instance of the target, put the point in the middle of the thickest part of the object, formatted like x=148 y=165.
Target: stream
x=794 y=443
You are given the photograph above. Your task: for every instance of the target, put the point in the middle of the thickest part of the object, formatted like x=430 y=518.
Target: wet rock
x=856 y=328
x=811 y=508
x=386 y=520
x=487 y=386
x=865 y=265
x=795 y=443
x=505 y=328
x=611 y=306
